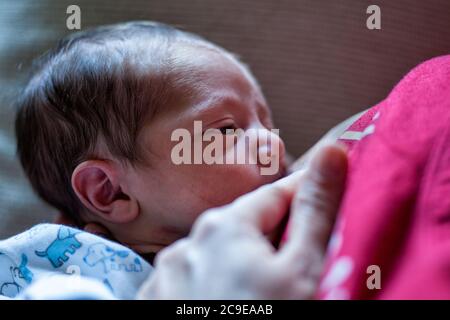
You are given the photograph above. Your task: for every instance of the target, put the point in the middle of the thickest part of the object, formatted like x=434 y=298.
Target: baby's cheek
x=237 y=180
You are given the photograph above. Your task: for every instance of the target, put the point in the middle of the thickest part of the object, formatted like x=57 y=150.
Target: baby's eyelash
x=230 y=129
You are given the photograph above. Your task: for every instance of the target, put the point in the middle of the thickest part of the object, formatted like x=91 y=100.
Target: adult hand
x=227 y=255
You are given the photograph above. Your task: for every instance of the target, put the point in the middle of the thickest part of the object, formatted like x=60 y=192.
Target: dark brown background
x=316 y=60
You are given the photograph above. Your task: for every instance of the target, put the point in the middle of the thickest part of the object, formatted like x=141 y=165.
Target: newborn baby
x=96 y=122
x=95 y=133
x=101 y=127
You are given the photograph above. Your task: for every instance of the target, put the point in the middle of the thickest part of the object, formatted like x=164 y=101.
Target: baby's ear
x=97 y=183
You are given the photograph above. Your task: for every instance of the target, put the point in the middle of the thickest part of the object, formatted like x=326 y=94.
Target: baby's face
x=170 y=195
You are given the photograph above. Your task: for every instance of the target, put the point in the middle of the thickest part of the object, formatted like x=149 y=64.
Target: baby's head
x=96 y=121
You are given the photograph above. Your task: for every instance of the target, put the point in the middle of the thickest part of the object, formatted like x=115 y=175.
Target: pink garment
x=395 y=212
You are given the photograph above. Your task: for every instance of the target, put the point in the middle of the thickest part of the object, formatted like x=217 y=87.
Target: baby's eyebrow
x=216 y=104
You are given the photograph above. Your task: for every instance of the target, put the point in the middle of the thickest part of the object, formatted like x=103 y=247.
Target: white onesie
x=59 y=262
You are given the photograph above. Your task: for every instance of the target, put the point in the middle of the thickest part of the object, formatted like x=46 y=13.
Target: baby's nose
x=271 y=149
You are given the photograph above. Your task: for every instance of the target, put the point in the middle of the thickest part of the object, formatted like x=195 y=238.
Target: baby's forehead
x=212 y=71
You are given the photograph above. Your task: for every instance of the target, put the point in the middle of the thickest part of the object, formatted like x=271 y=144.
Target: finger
x=265 y=207
x=149 y=289
x=316 y=202
x=175 y=255
x=174 y=267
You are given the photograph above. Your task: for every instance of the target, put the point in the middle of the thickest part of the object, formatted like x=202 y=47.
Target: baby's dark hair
x=103 y=83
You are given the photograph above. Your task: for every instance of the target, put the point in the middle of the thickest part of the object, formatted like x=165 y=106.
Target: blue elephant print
x=112 y=260
x=57 y=251
x=20 y=277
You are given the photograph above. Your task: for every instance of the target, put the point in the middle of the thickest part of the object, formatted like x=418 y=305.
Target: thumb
x=316 y=202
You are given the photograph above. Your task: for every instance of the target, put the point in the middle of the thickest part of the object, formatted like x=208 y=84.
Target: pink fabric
x=396 y=208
